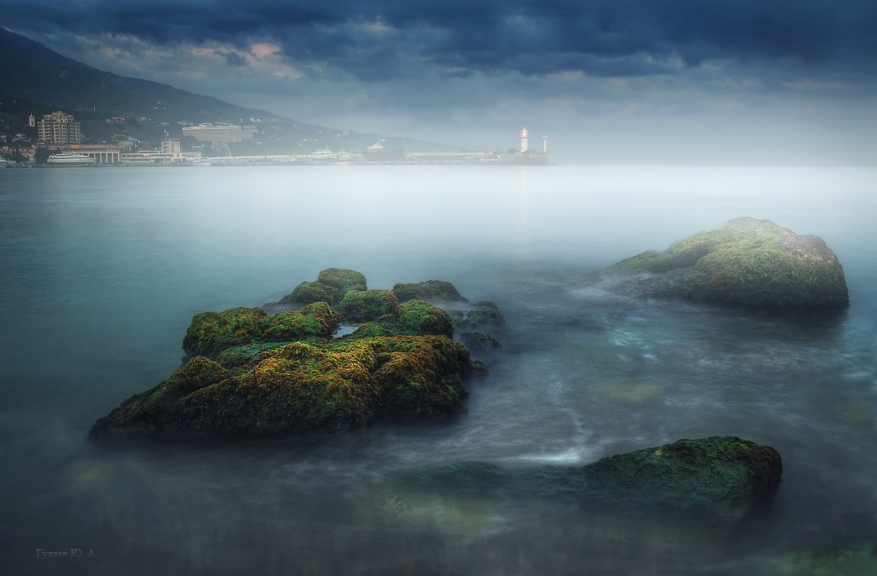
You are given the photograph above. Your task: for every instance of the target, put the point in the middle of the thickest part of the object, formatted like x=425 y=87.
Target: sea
x=102 y=269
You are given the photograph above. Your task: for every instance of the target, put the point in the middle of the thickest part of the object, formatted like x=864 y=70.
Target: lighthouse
x=524 y=140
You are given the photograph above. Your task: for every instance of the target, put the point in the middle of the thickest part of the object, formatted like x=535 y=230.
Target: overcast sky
x=609 y=81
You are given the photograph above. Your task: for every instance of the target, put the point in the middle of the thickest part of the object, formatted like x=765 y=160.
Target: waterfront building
x=171 y=154
x=59 y=128
x=102 y=154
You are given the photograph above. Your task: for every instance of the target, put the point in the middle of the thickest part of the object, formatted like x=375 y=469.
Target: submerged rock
x=479 y=341
x=479 y=317
x=431 y=290
x=299 y=388
x=725 y=476
x=744 y=263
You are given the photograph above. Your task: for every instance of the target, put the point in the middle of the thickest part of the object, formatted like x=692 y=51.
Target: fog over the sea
x=609 y=81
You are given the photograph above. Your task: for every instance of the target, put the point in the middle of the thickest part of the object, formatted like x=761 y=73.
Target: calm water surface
x=102 y=270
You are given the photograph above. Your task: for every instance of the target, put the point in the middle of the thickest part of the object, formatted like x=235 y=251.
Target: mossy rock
x=310 y=292
x=300 y=388
x=431 y=290
x=725 y=474
x=482 y=317
x=144 y=413
x=211 y=332
x=480 y=341
x=419 y=317
x=744 y=263
x=367 y=305
x=312 y=321
x=342 y=279
x=240 y=356
x=369 y=330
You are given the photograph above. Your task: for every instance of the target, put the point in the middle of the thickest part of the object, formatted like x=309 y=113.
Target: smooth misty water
x=103 y=269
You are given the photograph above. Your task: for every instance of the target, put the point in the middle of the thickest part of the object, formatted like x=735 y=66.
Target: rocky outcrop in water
x=724 y=476
x=745 y=263
x=251 y=374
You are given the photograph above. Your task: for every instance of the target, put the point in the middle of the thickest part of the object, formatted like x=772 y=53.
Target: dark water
x=102 y=271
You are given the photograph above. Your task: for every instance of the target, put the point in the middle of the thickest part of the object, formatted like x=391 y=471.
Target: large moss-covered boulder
x=310 y=292
x=722 y=473
x=724 y=476
x=366 y=305
x=430 y=291
x=342 y=279
x=744 y=263
x=419 y=317
x=300 y=388
x=211 y=332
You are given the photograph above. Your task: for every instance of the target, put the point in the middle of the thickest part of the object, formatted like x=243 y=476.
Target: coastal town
x=56 y=140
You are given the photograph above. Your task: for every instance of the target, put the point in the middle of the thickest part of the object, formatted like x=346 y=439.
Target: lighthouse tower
x=525 y=140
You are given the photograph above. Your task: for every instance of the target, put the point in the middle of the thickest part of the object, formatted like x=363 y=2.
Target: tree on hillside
x=40 y=156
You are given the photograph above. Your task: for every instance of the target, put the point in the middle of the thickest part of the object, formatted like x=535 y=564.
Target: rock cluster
x=250 y=374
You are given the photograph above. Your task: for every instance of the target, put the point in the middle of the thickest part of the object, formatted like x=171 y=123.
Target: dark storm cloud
x=399 y=38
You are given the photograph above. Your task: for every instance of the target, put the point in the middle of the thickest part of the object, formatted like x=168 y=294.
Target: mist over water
x=103 y=270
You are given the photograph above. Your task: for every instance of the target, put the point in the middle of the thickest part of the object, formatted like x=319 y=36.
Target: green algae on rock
x=744 y=263
x=331 y=286
x=310 y=292
x=211 y=332
x=419 y=317
x=342 y=279
x=431 y=290
x=366 y=305
x=300 y=388
x=314 y=320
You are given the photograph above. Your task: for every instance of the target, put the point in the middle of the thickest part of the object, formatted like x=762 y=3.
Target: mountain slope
x=29 y=70
x=33 y=71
